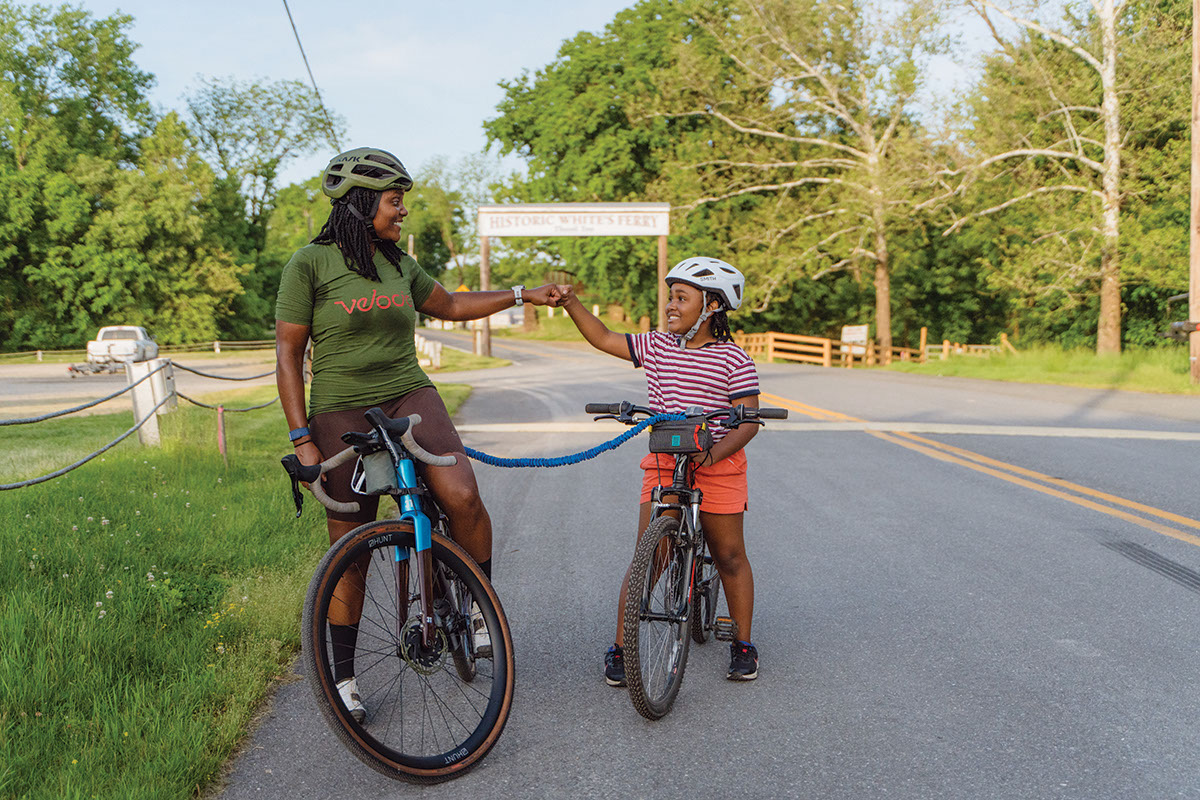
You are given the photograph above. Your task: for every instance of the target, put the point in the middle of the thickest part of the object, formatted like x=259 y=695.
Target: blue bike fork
x=410 y=509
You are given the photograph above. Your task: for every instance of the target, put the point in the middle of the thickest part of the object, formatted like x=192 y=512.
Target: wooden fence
x=823 y=352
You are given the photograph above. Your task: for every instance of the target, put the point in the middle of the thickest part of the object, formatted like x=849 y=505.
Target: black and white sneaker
x=743 y=661
x=614 y=666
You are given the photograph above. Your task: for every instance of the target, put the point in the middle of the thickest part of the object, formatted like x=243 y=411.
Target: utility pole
x=1194 y=243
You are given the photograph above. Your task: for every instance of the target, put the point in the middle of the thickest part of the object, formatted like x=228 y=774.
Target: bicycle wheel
x=705 y=594
x=657 y=610
x=424 y=723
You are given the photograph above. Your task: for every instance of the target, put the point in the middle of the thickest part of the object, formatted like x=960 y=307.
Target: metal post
x=662 y=278
x=1194 y=266
x=484 y=346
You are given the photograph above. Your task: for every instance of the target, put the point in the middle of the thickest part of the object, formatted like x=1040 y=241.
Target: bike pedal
x=724 y=629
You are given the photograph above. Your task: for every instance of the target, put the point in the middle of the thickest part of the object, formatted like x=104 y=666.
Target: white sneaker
x=348 y=690
x=479 y=633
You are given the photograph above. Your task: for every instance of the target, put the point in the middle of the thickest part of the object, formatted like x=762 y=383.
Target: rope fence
x=65 y=411
x=222 y=377
x=183 y=396
x=85 y=459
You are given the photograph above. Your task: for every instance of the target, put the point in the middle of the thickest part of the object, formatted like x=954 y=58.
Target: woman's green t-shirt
x=362 y=330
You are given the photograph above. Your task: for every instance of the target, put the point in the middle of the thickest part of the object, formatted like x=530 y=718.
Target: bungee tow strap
x=575 y=458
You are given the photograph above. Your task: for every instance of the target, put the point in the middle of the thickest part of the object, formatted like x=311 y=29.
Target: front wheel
x=424 y=721
x=657 y=610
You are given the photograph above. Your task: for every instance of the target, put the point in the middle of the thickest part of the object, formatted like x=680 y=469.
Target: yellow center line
x=1011 y=473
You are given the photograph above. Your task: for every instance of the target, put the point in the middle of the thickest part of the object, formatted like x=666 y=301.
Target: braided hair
x=350 y=228
x=719 y=321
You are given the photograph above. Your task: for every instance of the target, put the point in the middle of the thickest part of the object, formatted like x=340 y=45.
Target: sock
x=486 y=566
x=343 y=638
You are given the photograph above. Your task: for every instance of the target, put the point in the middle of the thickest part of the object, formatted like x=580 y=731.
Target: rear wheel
x=656 y=618
x=425 y=720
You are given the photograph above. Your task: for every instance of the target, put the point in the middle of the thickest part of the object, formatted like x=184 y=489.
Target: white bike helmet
x=709 y=275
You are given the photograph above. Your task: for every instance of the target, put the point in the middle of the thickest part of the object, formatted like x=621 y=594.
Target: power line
x=328 y=122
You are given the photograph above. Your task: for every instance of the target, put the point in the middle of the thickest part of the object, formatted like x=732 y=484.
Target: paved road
x=1015 y=617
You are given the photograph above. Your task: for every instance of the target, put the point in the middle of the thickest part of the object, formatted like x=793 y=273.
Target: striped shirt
x=713 y=376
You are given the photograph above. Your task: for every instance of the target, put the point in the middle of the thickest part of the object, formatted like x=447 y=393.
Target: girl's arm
x=595 y=331
x=463 y=306
x=734 y=440
x=290 y=341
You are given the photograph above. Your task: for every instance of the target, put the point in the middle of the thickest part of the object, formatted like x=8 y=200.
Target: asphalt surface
x=1016 y=618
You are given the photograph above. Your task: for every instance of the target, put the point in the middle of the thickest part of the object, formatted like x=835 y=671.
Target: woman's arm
x=290 y=342
x=595 y=331
x=463 y=306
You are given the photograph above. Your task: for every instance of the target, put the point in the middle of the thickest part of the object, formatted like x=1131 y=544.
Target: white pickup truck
x=120 y=343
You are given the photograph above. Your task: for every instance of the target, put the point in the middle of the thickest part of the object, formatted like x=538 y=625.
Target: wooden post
x=945 y=349
x=925 y=337
x=870 y=355
x=827 y=353
x=221 y=434
x=411 y=247
x=770 y=347
x=1006 y=344
x=662 y=281
x=483 y=346
x=1194 y=241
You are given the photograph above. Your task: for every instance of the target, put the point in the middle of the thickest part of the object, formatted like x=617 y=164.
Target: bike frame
x=690 y=532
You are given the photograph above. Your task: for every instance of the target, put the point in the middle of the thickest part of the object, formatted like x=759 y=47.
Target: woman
x=357 y=294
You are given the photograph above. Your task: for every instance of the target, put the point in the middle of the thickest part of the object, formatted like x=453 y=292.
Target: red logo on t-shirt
x=376 y=300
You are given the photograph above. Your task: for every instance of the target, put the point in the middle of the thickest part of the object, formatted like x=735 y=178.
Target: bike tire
x=424 y=723
x=705 y=596
x=655 y=648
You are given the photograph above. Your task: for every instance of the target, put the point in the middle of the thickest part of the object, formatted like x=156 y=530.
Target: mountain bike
x=674 y=586
x=434 y=653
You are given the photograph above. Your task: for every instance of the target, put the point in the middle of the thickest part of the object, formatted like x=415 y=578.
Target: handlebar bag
x=374 y=474
x=680 y=436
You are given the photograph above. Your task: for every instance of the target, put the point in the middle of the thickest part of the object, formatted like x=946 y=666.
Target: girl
x=695 y=363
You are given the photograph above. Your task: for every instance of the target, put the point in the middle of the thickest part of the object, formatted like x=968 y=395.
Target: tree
x=133 y=249
x=816 y=99
x=1050 y=129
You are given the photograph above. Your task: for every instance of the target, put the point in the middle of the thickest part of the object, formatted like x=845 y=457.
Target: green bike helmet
x=367 y=167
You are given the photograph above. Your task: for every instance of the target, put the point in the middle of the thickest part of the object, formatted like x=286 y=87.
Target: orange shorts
x=723 y=483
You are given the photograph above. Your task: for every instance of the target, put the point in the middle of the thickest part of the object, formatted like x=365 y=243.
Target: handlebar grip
x=602 y=408
x=773 y=413
x=420 y=453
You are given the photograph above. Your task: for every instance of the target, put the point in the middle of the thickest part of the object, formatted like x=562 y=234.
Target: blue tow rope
x=562 y=461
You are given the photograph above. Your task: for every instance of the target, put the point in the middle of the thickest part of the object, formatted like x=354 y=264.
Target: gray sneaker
x=348 y=691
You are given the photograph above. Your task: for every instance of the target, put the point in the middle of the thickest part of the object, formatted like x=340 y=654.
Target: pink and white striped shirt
x=712 y=376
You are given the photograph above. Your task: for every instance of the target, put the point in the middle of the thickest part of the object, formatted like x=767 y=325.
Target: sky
x=417 y=79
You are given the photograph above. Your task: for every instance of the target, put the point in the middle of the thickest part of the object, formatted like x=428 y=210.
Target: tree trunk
x=883 y=285
x=1108 y=328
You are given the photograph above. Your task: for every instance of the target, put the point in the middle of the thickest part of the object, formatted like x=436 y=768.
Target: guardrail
x=215 y=346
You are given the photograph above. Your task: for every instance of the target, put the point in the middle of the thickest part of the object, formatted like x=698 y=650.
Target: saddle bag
x=680 y=436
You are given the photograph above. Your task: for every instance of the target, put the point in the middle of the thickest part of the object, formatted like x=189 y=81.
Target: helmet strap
x=705 y=314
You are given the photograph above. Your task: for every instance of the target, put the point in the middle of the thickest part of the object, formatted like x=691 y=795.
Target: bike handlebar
x=625 y=411
x=311 y=474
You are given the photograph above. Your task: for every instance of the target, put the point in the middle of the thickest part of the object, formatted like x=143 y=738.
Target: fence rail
x=215 y=346
x=824 y=352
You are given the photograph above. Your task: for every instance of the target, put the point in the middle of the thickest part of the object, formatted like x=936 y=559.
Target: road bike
x=434 y=653
x=674 y=586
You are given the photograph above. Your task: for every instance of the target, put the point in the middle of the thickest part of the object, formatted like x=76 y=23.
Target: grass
x=148 y=600
x=1162 y=370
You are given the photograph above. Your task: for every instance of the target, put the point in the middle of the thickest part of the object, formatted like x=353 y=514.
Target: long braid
x=719 y=321
x=349 y=227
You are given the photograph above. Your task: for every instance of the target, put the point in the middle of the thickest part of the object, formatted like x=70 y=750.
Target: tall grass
x=147 y=601
x=1163 y=369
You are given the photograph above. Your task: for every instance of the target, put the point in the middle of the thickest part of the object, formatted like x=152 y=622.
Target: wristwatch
x=517 y=293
